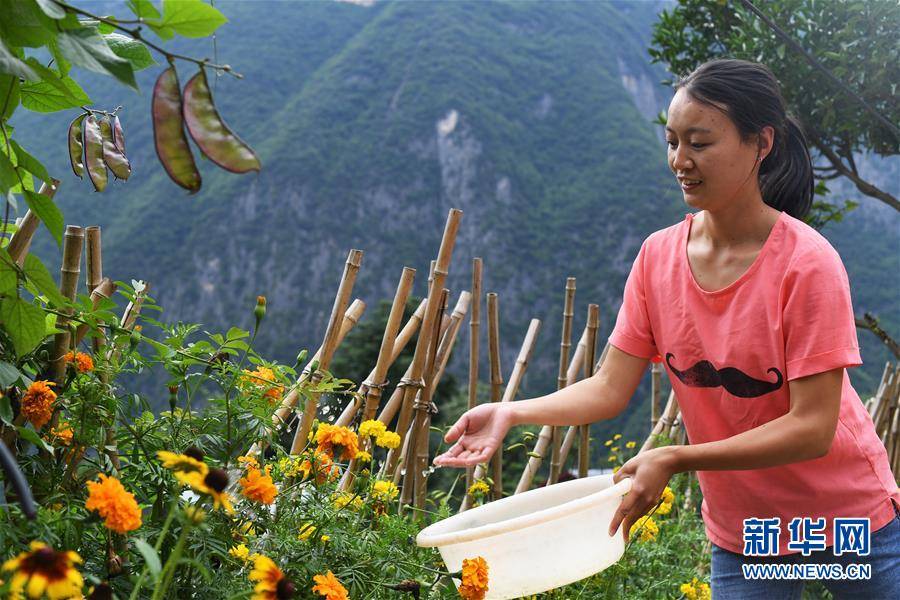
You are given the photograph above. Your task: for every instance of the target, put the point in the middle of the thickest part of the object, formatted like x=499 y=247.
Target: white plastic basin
x=537 y=540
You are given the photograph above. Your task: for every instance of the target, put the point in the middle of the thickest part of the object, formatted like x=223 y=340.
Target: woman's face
x=704 y=146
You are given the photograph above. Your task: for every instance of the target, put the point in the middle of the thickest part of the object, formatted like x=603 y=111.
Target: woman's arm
x=805 y=432
x=596 y=398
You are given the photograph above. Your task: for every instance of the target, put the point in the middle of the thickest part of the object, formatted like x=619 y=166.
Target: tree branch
x=871 y=323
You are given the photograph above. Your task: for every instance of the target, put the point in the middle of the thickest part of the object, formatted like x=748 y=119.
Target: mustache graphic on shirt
x=735 y=381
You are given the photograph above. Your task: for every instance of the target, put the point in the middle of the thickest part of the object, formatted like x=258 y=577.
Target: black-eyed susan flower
x=37 y=403
x=271 y=582
x=474 y=579
x=213 y=484
x=114 y=504
x=329 y=586
x=43 y=570
x=184 y=465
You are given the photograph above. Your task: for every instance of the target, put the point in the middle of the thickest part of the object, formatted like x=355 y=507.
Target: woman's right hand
x=477 y=433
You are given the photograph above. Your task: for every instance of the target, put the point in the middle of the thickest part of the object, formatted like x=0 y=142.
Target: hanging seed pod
x=216 y=140
x=93 y=153
x=76 y=147
x=118 y=135
x=114 y=158
x=168 y=132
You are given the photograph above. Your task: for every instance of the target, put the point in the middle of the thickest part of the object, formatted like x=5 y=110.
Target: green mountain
x=371 y=123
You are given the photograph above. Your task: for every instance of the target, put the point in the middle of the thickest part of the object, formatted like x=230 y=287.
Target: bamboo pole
x=281 y=416
x=656 y=370
x=569 y=440
x=496 y=461
x=543 y=443
x=512 y=388
x=68 y=286
x=20 y=242
x=104 y=289
x=94 y=263
x=562 y=379
x=397 y=346
x=664 y=424
x=474 y=323
x=341 y=300
x=584 y=447
x=415 y=381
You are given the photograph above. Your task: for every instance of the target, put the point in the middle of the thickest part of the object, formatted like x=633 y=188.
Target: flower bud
x=260 y=311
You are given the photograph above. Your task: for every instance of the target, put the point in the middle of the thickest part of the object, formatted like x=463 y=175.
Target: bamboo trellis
x=884 y=408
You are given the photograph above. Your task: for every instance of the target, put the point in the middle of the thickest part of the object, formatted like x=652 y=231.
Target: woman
x=751 y=310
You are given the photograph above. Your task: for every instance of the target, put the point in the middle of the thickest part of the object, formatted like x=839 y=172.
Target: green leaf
x=107 y=26
x=9 y=276
x=32 y=436
x=9 y=91
x=53 y=92
x=87 y=48
x=47 y=212
x=190 y=18
x=24 y=322
x=150 y=556
x=29 y=163
x=22 y=23
x=131 y=50
x=38 y=274
x=62 y=64
x=8 y=178
x=236 y=333
x=6 y=413
x=143 y=9
x=51 y=9
x=9 y=374
x=11 y=64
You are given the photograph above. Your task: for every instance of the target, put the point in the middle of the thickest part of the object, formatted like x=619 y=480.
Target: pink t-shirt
x=730 y=354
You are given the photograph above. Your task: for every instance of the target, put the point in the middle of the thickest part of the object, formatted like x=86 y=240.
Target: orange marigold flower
x=37 y=403
x=114 y=504
x=258 y=379
x=43 y=570
x=271 y=582
x=83 y=362
x=329 y=586
x=328 y=437
x=258 y=487
x=317 y=462
x=62 y=434
x=474 y=579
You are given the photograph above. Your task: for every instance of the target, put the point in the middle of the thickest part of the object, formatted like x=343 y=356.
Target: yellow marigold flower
x=363 y=457
x=325 y=538
x=288 y=466
x=664 y=508
x=384 y=490
x=704 y=592
x=43 y=570
x=183 y=466
x=648 y=529
x=479 y=488
x=240 y=552
x=615 y=469
x=37 y=403
x=630 y=444
x=271 y=582
x=248 y=461
x=329 y=437
x=258 y=487
x=116 y=505
x=608 y=443
x=388 y=439
x=306 y=530
x=617 y=436
x=474 y=579
x=668 y=495
x=61 y=435
x=695 y=590
x=330 y=587
x=83 y=362
x=614 y=449
x=612 y=458
x=342 y=499
x=372 y=428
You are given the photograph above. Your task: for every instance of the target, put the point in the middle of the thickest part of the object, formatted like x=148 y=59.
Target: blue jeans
x=728 y=583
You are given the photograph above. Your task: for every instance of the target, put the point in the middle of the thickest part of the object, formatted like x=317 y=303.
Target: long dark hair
x=750 y=96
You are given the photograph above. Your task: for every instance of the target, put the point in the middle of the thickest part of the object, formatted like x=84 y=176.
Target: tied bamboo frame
x=415 y=380
x=569 y=439
x=496 y=461
x=512 y=388
x=474 y=323
x=73 y=244
x=351 y=268
x=20 y=242
x=562 y=380
x=584 y=446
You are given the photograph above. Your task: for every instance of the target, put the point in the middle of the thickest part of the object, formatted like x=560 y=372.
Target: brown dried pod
x=76 y=147
x=114 y=158
x=209 y=131
x=168 y=132
x=93 y=153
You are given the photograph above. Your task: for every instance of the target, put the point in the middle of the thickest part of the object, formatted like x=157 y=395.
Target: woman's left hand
x=650 y=472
